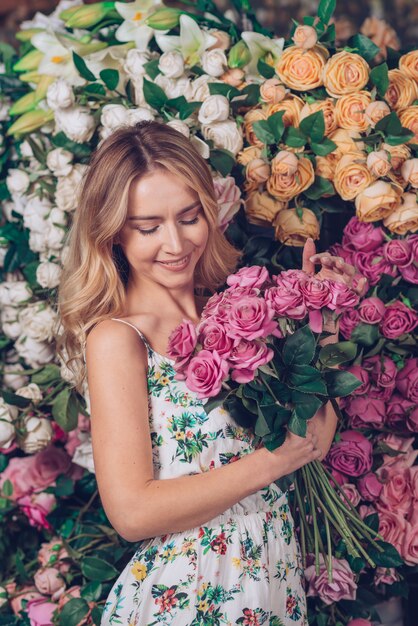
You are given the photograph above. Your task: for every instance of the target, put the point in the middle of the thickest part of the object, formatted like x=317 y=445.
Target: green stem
x=302 y=515
x=302 y=523
x=314 y=520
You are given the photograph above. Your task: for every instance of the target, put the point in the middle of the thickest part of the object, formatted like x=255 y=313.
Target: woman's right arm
x=138 y=505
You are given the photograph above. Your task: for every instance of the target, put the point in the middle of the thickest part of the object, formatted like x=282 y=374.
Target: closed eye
x=153 y=230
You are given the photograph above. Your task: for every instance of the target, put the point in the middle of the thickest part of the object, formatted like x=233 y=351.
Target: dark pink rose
x=40 y=612
x=398 y=320
x=362 y=236
x=344 y=252
x=363 y=375
x=343 y=586
x=398 y=252
x=349 y=320
x=396 y=493
x=251 y=318
x=246 y=357
x=385 y=576
x=286 y=301
x=398 y=411
x=182 y=343
x=342 y=296
x=359 y=621
x=382 y=370
x=365 y=412
x=316 y=293
x=407 y=380
x=218 y=306
x=412 y=420
x=254 y=276
x=371 y=310
x=392 y=526
x=369 y=487
x=372 y=265
x=214 y=337
x=36 y=507
x=352 y=455
x=205 y=374
x=380 y=393
x=410 y=273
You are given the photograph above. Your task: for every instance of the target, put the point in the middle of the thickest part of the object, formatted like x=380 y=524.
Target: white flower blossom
x=31 y=392
x=14 y=293
x=76 y=122
x=17 y=181
x=60 y=95
x=7 y=430
x=59 y=161
x=48 y=274
x=214 y=109
x=37 y=321
x=38 y=434
x=14 y=380
x=34 y=353
x=171 y=64
x=9 y=319
x=224 y=135
x=214 y=62
x=135 y=61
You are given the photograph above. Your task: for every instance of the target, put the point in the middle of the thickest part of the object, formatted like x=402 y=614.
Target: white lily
x=260 y=46
x=134 y=27
x=113 y=58
x=191 y=42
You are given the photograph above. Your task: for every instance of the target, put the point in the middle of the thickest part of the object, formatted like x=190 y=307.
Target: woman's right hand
x=295 y=452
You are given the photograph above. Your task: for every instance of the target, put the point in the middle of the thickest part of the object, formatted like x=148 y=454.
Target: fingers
x=359 y=288
x=309 y=251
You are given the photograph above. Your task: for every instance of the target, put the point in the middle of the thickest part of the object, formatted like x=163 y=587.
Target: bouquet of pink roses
x=256 y=351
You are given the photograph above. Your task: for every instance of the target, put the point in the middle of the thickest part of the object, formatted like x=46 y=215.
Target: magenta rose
x=372 y=265
x=352 y=455
x=182 y=343
x=286 y=301
x=371 y=310
x=343 y=586
x=349 y=320
x=398 y=411
x=407 y=380
x=359 y=621
x=205 y=374
x=316 y=293
x=342 y=296
x=254 y=276
x=382 y=370
x=213 y=336
x=251 y=318
x=36 y=507
x=363 y=375
x=398 y=320
x=246 y=357
x=369 y=486
x=40 y=612
x=412 y=420
x=398 y=252
x=365 y=412
x=362 y=236
x=410 y=273
x=344 y=252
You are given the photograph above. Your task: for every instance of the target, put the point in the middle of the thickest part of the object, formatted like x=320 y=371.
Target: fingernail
x=311 y=258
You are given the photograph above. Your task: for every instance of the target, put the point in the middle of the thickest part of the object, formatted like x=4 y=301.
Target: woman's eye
x=153 y=230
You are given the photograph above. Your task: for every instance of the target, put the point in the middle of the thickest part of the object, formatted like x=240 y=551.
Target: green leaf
x=82 y=68
x=305 y=405
x=97 y=569
x=390 y=124
x=92 y=591
x=262 y=425
x=222 y=160
x=263 y=131
x=299 y=348
x=65 y=410
x=265 y=69
x=60 y=140
x=94 y=89
x=152 y=69
x=319 y=188
x=154 y=95
x=48 y=374
x=294 y=138
x=110 y=78
x=14 y=399
x=325 y=147
x=389 y=558
x=64 y=486
x=365 y=46
x=325 y=10
x=314 y=126
x=365 y=334
x=276 y=124
x=188 y=109
x=273 y=441
x=372 y=521
x=380 y=77
x=337 y=353
x=224 y=90
x=7 y=488
x=340 y=384
x=297 y=425
x=218 y=400
x=73 y=612
x=396 y=140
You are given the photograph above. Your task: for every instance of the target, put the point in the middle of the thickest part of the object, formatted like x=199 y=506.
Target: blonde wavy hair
x=96 y=272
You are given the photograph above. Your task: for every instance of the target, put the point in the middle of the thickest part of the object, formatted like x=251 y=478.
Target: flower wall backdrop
x=294 y=131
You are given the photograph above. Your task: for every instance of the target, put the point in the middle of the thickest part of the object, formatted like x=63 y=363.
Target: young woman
x=217 y=539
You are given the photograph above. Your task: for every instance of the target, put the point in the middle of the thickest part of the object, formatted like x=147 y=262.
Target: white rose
x=14 y=380
x=214 y=109
x=68 y=188
x=4 y=111
x=76 y=123
x=14 y=293
x=31 y=392
x=200 y=88
x=3 y=252
x=180 y=126
x=139 y=115
x=113 y=116
x=214 y=62
x=7 y=430
x=37 y=321
x=171 y=64
x=8 y=207
x=83 y=454
x=25 y=150
x=201 y=146
x=9 y=317
x=59 y=161
x=60 y=95
x=134 y=63
x=224 y=135
x=54 y=238
x=34 y=353
x=57 y=217
x=37 y=242
x=174 y=87
x=38 y=434
x=48 y=274
x=17 y=181
x=35 y=213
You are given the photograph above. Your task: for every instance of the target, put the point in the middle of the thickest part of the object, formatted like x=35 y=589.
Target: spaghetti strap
x=144 y=339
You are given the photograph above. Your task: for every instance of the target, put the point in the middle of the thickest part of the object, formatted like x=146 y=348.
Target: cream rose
x=248 y=154
x=377 y=201
x=328 y=109
x=59 y=161
x=261 y=208
x=135 y=61
x=31 y=392
x=302 y=69
x=114 y=116
x=409 y=119
x=286 y=186
x=214 y=109
x=408 y=64
x=214 y=62
x=175 y=87
x=35 y=353
x=60 y=95
x=48 y=274
x=344 y=73
x=305 y=37
x=404 y=217
x=68 y=188
x=14 y=293
x=402 y=90
x=180 y=126
x=254 y=115
x=38 y=434
x=76 y=122
x=11 y=376
x=139 y=115
x=17 y=181
x=350 y=111
x=9 y=319
x=375 y=111
x=224 y=135
x=171 y=64
x=378 y=163
x=223 y=40
x=293 y=230
x=292 y=107
x=352 y=175
x=272 y=91
x=7 y=430
x=37 y=320
x=199 y=87
x=398 y=154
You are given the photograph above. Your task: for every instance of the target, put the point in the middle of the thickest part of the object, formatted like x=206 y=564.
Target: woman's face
x=165 y=232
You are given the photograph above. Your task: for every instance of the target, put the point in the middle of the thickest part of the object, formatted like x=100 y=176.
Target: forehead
x=160 y=190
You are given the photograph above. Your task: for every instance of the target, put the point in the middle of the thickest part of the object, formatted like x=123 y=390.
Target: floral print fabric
x=243 y=566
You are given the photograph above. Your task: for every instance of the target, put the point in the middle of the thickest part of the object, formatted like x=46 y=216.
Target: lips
x=178 y=262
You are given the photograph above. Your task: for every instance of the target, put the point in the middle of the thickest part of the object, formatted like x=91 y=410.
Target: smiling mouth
x=178 y=263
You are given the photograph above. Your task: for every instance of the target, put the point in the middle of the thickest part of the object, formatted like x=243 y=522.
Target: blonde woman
x=217 y=539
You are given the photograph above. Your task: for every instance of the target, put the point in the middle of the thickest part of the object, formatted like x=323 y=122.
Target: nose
x=173 y=240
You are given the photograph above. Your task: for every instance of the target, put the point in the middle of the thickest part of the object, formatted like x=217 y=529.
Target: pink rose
x=404 y=446
x=254 y=276
x=351 y=492
x=49 y=582
x=369 y=487
x=246 y=357
x=392 y=526
x=359 y=621
x=40 y=612
x=409 y=550
x=36 y=507
x=291 y=278
x=371 y=310
x=398 y=320
x=27 y=592
x=365 y=412
x=182 y=343
x=205 y=374
x=412 y=420
x=316 y=293
x=385 y=576
x=286 y=301
x=365 y=510
x=213 y=336
x=228 y=196
x=71 y=592
x=372 y=265
x=342 y=296
x=398 y=252
x=362 y=236
x=343 y=586
x=349 y=320
x=410 y=273
x=407 y=380
x=344 y=252
x=363 y=375
x=398 y=411
x=396 y=493
x=382 y=370
x=54 y=553
x=218 y=306
x=352 y=455
x=251 y=318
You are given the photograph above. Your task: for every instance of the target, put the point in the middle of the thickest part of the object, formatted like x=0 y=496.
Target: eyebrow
x=158 y=217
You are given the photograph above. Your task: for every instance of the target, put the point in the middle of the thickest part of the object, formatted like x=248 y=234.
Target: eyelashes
x=151 y=231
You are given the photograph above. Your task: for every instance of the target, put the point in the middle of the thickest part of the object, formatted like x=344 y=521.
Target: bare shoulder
x=110 y=337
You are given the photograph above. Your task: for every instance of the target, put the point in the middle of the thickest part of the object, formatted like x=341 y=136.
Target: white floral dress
x=241 y=567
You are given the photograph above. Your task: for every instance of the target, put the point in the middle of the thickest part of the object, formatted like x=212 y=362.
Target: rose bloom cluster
x=231 y=339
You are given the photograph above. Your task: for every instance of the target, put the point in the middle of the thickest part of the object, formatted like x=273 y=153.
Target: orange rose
x=382 y=34
x=302 y=69
x=350 y=111
x=398 y=154
x=409 y=119
x=254 y=115
x=352 y=175
x=248 y=154
x=409 y=172
x=402 y=90
x=376 y=111
x=305 y=37
x=272 y=91
x=328 y=109
x=408 y=64
x=293 y=230
x=377 y=201
x=325 y=166
x=344 y=73
x=378 y=163
x=285 y=187
x=345 y=140
x=257 y=171
x=261 y=208
x=404 y=217
x=291 y=105
x=285 y=163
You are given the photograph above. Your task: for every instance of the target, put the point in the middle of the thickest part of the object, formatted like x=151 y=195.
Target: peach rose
x=305 y=37
x=409 y=119
x=350 y=111
x=328 y=109
x=293 y=230
x=254 y=115
x=375 y=111
x=377 y=201
x=223 y=40
x=409 y=171
x=344 y=73
x=325 y=166
x=285 y=187
x=382 y=34
x=234 y=77
x=352 y=175
x=402 y=90
x=291 y=105
x=49 y=582
x=378 y=163
x=248 y=154
x=257 y=171
x=285 y=163
x=272 y=91
x=404 y=217
x=302 y=69
x=261 y=207
x=398 y=154
x=346 y=141
x=408 y=65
